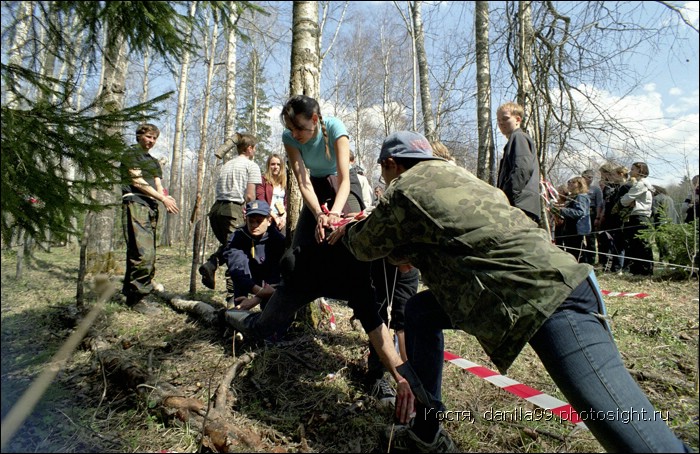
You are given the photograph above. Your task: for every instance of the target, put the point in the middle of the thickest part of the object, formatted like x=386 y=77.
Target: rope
x=627 y=257
x=389 y=298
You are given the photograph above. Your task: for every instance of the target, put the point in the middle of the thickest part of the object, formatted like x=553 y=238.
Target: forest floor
x=305 y=395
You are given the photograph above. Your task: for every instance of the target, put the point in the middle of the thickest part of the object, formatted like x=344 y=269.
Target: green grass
x=309 y=384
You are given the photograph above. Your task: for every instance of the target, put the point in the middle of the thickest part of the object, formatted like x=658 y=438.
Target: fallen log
x=203 y=311
x=214 y=423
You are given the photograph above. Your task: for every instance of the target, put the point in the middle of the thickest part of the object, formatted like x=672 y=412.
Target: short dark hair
x=147 y=127
x=659 y=189
x=643 y=168
x=407 y=163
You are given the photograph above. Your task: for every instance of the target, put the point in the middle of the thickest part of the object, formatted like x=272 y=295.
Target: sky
x=663 y=112
x=665 y=109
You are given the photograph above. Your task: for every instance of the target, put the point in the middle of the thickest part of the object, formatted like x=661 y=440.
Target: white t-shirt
x=277 y=196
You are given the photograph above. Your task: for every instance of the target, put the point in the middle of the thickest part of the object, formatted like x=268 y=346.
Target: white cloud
x=666 y=138
x=675 y=91
x=690 y=10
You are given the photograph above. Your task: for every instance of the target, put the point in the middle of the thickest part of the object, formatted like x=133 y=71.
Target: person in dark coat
x=519 y=171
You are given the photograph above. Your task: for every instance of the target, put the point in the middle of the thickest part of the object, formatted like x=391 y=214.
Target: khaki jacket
x=494 y=272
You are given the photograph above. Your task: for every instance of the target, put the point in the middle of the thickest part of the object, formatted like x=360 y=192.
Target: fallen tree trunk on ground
x=214 y=423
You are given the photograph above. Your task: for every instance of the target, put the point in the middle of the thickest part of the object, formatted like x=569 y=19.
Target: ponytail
x=325 y=136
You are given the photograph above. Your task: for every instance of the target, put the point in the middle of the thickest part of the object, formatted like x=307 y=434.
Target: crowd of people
x=600 y=223
x=489 y=268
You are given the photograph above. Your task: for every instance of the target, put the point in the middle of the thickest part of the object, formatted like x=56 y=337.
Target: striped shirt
x=234 y=177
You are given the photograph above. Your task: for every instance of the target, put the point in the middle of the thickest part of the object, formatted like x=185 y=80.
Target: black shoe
x=401 y=438
x=208 y=272
x=146 y=307
x=384 y=393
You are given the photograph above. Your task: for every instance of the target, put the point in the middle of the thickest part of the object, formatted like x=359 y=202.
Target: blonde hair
x=441 y=151
x=243 y=141
x=306 y=106
x=512 y=107
x=623 y=172
x=280 y=180
x=578 y=185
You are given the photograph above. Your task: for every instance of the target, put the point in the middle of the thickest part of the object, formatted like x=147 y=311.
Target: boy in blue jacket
x=253 y=255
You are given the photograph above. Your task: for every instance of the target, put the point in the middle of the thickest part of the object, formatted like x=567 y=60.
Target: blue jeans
x=580 y=355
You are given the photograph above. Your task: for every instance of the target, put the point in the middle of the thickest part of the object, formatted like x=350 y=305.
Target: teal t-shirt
x=313 y=152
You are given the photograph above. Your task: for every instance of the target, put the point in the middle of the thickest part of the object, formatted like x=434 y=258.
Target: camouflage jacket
x=494 y=272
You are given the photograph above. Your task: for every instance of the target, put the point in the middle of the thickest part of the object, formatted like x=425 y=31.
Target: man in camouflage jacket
x=494 y=274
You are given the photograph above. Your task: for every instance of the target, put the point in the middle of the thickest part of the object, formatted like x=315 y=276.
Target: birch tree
x=424 y=74
x=230 y=105
x=178 y=144
x=486 y=155
x=410 y=27
x=100 y=256
x=304 y=80
x=197 y=217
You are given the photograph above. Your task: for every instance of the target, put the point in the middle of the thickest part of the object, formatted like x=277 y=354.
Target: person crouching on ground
x=253 y=256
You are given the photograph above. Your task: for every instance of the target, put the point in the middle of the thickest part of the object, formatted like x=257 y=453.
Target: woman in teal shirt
x=322 y=146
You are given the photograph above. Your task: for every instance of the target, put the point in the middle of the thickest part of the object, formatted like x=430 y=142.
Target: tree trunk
x=255 y=63
x=19 y=268
x=146 y=65
x=230 y=122
x=212 y=420
x=304 y=80
x=17 y=50
x=170 y=230
x=100 y=254
x=197 y=216
x=531 y=121
x=525 y=40
x=486 y=155
x=80 y=291
x=424 y=74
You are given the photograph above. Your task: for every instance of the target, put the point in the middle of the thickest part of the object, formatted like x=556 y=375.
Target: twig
x=540 y=432
x=643 y=376
x=228 y=378
x=104 y=389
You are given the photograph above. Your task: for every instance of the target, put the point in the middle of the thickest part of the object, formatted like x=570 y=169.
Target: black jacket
x=519 y=173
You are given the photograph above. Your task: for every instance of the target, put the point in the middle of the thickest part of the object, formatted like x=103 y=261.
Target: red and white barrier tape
x=634 y=295
x=556 y=406
x=325 y=307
